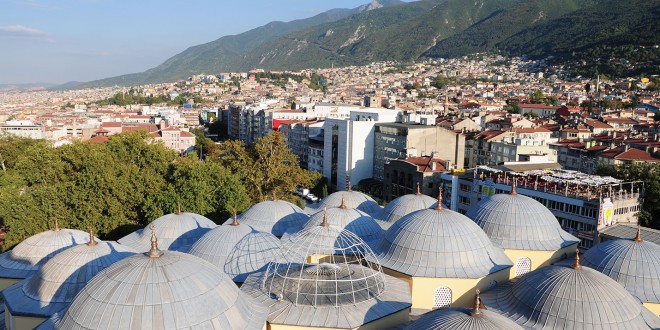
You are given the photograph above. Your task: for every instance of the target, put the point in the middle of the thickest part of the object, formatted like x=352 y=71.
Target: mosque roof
x=276 y=217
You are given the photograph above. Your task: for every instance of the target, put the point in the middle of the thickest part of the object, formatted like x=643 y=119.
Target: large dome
x=440 y=243
x=559 y=297
x=56 y=283
x=26 y=258
x=238 y=249
x=175 y=231
x=156 y=290
x=355 y=221
x=405 y=205
x=276 y=217
x=323 y=278
x=463 y=319
x=518 y=222
x=353 y=200
x=635 y=264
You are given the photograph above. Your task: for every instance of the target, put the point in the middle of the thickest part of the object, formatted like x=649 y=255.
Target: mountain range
x=405 y=31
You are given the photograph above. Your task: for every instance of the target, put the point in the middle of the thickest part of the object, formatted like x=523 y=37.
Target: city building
x=405 y=176
x=176 y=139
x=23 y=128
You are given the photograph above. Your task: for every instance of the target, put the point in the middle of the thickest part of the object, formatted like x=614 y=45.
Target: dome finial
x=577 y=265
x=91 y=242
x=235 y=223
x=154 y=252
x=348 y=183
x=178 y=205
x=325 y=218
x=638 y=238
x=477 y=302
x=418 y=192
x=439 y=206
x=343 y=204
x=513 y=187
x=274 y=196
x=57 y=225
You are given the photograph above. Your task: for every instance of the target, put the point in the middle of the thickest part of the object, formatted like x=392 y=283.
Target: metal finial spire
x=349 y=186
x=418 y=192
x=577 y=265
x=439 y=206
x=154 y=252
x=477 y=302
x=57 y=225
x=324 y=223
x=91 y=242
x=638 y=238
x=235 y=223
x=274 y=196
x=343 y=204
x=178 y=205
x=513 y=187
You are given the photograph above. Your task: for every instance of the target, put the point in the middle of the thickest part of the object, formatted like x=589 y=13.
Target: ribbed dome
x=355 y=221
x=276 y=217
x=56 y=283
x=353 y=200
x=462 y=319
x=635 y=265
x=238 y=250
x=174 y=291
x=440 y=244
x=176 y=232
x=405 y=205
x=521 y=223
x=26 y=258
x=557 y=297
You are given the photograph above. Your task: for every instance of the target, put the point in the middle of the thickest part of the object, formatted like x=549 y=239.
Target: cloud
x=24 y=32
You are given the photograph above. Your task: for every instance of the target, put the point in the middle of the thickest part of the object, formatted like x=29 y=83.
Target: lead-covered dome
x=440 y=243
x=276 y=217
x=26 y=257
x=53 y=287
x=558 y=297
x=175 y=231
x=355 y=221
x=237 y=249
x=322 y=277
x=634 y=263
x=518 y=222
x=162 y=290
x=405 y=205
x=353 y=200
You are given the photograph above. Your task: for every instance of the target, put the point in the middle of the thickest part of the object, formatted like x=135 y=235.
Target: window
x=442 y=297
x=523 y=266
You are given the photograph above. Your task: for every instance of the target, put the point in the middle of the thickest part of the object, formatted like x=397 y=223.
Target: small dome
x=353 y=200
x=238 y=250
x=325 y=271
x=26 y=257
x=405 y=205
x=355 y=221
x=462 y=319
x=53 y=287
x=514 y=221
x=634 y=264
x=156 y=290
x=569 y=298
x=175 y=231
x=440 y=244
x=276 y=217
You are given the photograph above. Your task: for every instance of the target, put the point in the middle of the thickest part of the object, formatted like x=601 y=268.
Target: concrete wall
x=653 y=307
x=14 y=322
x=7 y=282
x=386 y=322
x=539 y=258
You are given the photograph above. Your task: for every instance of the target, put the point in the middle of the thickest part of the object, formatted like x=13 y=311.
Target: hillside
x=421 y=29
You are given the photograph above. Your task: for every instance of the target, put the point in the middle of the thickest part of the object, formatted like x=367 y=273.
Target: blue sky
x=64 y=40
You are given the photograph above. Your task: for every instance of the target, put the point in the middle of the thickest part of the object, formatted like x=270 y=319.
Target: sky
x=58 y=41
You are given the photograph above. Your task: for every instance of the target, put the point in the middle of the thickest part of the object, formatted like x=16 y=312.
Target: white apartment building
x=23 y=128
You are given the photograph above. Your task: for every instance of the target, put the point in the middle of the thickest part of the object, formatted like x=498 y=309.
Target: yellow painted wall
x=653 y=307
x=539 y=258
x=462 y=289
x=386 y=322
x=7 y=282
x=21 y=322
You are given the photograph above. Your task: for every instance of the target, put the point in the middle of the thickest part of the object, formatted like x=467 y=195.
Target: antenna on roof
x=513 y=186
x=235 y=223
x=577 y=265
x=324 y=223
x=477 y=302
x=439 y=206
x=418 y=192
x=91 y=242
x=638 y=238
x=154 y=252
